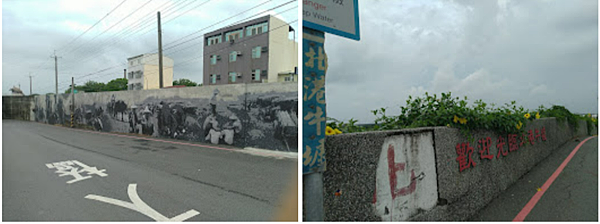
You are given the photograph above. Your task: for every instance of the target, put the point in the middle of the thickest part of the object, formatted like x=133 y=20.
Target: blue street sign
x=314 y=117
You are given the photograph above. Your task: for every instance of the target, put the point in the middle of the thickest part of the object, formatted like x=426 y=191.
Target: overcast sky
x=534 y=52
x=33 y=29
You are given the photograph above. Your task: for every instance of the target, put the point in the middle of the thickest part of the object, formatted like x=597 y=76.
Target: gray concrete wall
x=361 y=167
x=17 y=107
x=243 y=115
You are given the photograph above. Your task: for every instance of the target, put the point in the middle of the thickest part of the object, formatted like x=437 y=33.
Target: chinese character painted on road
x=76 y=169
x=484 y=147
x=462 y=149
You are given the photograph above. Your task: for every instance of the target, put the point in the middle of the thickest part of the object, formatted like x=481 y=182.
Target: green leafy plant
x=430 y=111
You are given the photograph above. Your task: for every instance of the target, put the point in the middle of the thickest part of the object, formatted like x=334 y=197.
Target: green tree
x=116 y=85
x=92 y=86
x=185 y=82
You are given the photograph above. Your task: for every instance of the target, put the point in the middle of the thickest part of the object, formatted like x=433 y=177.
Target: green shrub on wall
x=430 y=111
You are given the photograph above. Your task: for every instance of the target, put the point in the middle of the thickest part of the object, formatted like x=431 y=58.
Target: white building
x=142 y=72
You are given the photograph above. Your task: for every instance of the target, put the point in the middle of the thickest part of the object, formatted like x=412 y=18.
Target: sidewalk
x=572 y=196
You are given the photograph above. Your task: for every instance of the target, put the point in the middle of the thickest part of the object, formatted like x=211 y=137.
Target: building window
x=256 y=75
x=232 y=77
x=138 y=74
x=130 y=75
x=257 y=29
x=213 y=78
x=256 y=52
x=138 y=86
x=213 y=59
x=213 y=40
x=289 y=78
x=233 y=56
x=234 y=35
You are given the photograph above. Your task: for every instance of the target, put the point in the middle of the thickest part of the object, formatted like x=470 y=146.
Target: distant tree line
x=118 y=85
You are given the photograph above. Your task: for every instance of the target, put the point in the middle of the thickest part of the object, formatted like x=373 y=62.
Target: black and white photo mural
x=228 y=115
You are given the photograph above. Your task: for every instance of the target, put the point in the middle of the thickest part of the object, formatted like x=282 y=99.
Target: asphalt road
x=151 y=180
x=573 y=196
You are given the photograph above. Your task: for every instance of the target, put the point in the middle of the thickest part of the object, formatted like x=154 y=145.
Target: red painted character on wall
x=484 y=148
x=500 y=146
x=462 y=149
x=513 y=145
x=530 y=137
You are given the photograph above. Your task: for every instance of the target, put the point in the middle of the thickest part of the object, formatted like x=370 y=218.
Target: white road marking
x=140 y=206
x=70 y=168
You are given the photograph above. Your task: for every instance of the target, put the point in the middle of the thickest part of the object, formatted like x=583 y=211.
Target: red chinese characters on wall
x=484 y=148
x=465 y=159
x=465 y=151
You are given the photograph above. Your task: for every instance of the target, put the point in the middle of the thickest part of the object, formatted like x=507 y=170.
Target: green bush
x=430 y=111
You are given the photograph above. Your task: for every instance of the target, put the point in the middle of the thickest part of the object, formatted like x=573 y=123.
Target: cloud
x=533 y=52
x=32 y=30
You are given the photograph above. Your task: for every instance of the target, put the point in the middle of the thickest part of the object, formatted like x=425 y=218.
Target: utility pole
x=125 y=73
x=55 y=73
x=160 y=58
x=72 y=99
x=30 y=88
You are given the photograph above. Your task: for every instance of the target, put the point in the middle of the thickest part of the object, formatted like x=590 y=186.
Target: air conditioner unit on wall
x=239 y=53
x=218 y=57
x=265 y=49
x=239 y=75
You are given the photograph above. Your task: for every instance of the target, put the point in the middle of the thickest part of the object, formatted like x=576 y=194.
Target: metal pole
x=30 y=88
x=56 y=73
x=160 y=58
x=125 y=73
x=312 y=194
x=314 y=117
x=72 y=99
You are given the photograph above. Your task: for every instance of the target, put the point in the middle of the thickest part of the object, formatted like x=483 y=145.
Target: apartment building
x=255 y=51
x=142 y=72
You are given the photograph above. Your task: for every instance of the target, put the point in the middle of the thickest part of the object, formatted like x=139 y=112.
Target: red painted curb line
x=534 y=200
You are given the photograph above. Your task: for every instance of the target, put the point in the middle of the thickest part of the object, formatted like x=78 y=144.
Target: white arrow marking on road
x=141 y=207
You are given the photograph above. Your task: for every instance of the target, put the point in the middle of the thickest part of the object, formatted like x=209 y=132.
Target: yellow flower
x=462 y=120
x=519 y=125
x=448 y=125
x=455 y=119
x=527 y=116
x=337 y=131
x=537 y=115
x=329 y=131
x=589 y=115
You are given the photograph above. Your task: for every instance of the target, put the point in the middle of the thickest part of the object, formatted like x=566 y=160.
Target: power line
x=189 y=61
x=115 y=38
x=220 y=21
x=173 y=46
x=93 y=25
x=114 y=24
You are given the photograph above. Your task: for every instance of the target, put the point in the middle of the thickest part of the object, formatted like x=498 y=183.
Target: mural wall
x=243 y=115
